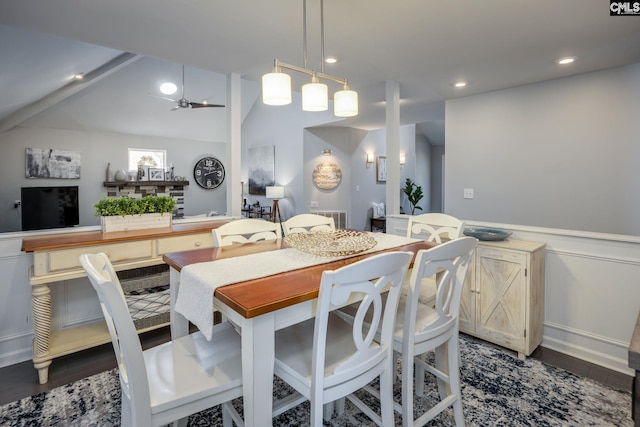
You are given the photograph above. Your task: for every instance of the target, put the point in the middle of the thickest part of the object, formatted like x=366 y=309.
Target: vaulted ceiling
x=424 y=45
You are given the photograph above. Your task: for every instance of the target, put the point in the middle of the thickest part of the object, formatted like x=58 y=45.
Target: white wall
x=561 y=154
x=98 y=149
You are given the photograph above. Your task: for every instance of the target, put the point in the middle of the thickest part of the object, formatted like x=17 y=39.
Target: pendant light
x=276 y=86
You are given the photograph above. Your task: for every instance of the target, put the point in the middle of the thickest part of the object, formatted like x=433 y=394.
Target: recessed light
x=330 y=59
x=78 y=76
x=460 y=84
x=566 y=60
x=168 y=88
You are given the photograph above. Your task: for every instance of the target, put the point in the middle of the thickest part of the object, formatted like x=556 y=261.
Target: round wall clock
x=209 y=172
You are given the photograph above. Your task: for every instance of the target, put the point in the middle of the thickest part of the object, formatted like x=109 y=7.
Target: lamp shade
x=276 y=88
x=315 y=97
x=275 y=192
x=345 y=103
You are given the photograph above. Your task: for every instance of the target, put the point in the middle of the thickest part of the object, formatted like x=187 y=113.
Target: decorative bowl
x=487 y=234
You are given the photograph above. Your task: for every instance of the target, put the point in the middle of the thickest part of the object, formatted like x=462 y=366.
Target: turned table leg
x=41 y=310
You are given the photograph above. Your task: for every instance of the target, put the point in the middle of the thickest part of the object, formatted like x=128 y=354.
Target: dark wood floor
x=21 y=380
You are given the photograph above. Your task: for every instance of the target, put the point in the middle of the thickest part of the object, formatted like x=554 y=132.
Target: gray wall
x=559 y=154
x=282 y=127
x=98 y=149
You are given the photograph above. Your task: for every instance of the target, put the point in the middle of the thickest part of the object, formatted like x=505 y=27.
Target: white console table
x=56 y=258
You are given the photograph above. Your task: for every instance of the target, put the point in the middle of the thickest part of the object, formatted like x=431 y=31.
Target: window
x=147 y=157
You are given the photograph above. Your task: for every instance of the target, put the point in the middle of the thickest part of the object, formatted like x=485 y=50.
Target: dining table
x=260 y=287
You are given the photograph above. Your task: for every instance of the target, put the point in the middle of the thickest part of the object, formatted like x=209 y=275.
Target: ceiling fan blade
x=177 y=107
x=202 y=105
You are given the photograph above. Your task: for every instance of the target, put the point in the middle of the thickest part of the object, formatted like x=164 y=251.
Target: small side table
x=379 y=224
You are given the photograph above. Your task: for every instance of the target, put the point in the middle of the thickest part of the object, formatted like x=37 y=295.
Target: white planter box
x=134 y=222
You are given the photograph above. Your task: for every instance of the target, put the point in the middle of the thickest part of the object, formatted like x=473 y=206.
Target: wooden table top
x=65 y=240
x=252 y=298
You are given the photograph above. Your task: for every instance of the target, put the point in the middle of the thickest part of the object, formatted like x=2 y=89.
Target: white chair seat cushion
x=190 y=366
x=294 y=348
x=425 y=315
x=427 y=289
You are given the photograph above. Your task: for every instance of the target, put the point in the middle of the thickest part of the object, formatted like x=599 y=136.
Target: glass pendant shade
x=276 y=88
x=345 y=103
x=315 y=96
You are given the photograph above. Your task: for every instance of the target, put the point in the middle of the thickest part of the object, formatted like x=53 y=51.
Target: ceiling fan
x=185 y=103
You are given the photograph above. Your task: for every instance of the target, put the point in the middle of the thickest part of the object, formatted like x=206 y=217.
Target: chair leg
x=327 y=410
x=442 y=364
x=454 y=378
x=339 y=406
x=316 y=413
x=386 y=396
x=125 y=414
x=418 y=379
x=407 y=390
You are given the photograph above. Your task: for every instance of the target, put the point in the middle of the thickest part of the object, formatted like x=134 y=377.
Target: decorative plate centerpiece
x=331 y=243
x=487 y=234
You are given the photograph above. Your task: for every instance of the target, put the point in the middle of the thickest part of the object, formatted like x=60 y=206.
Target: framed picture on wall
x=261 y=169
x=381 y=169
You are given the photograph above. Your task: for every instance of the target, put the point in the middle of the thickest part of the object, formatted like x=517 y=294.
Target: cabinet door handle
x=198 y=244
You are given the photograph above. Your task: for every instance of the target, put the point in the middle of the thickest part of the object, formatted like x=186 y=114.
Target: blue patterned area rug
x=498 y=390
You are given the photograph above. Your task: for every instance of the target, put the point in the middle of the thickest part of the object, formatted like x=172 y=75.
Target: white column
x=393 y=147
x=234 y=147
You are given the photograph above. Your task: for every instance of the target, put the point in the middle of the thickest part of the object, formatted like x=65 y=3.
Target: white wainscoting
x=592 y=293
x=592 y=290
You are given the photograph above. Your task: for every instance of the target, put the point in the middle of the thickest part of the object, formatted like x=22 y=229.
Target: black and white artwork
x=51 y=163
x=261 y=169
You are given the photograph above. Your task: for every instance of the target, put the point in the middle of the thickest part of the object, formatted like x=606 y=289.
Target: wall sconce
x=327 y=152
x=403 y=160
x=369 y=157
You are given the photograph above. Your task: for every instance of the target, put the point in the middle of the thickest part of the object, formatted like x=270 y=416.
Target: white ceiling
x=425 y=45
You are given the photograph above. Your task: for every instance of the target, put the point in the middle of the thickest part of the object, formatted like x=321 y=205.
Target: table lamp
x=275 y=193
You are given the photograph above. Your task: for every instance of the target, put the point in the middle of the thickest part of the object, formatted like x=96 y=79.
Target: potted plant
x=414 y=194
x=127 y=213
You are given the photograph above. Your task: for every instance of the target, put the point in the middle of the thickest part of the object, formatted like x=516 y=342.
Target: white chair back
x=126 y=344
x=451 y=261
x=425 y=329
x=435 y=226
x=328 y=358
x=304 y=223
x=172 y=380
x=369 y=278
x=244 y=231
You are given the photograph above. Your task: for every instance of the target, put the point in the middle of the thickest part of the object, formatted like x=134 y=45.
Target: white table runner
x=199 y=281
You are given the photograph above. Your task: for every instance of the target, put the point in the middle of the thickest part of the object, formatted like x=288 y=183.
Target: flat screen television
x=49 y=207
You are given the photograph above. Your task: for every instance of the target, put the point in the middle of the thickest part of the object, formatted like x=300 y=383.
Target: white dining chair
x=305 y=223
x=327 y=358
x=436 y=228
x=245 y=230
x=173 y=380
x=421 y=329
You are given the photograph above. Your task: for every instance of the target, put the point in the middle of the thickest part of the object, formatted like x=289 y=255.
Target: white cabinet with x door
x=503 y=295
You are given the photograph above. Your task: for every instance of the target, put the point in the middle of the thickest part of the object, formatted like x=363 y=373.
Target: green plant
x=414 y=194
x=123 y=205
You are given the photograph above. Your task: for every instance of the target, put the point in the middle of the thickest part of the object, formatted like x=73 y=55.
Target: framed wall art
x=51 y=163
x=327 y=176
x=156 y=174
x=261 y=164
x=381 y=169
